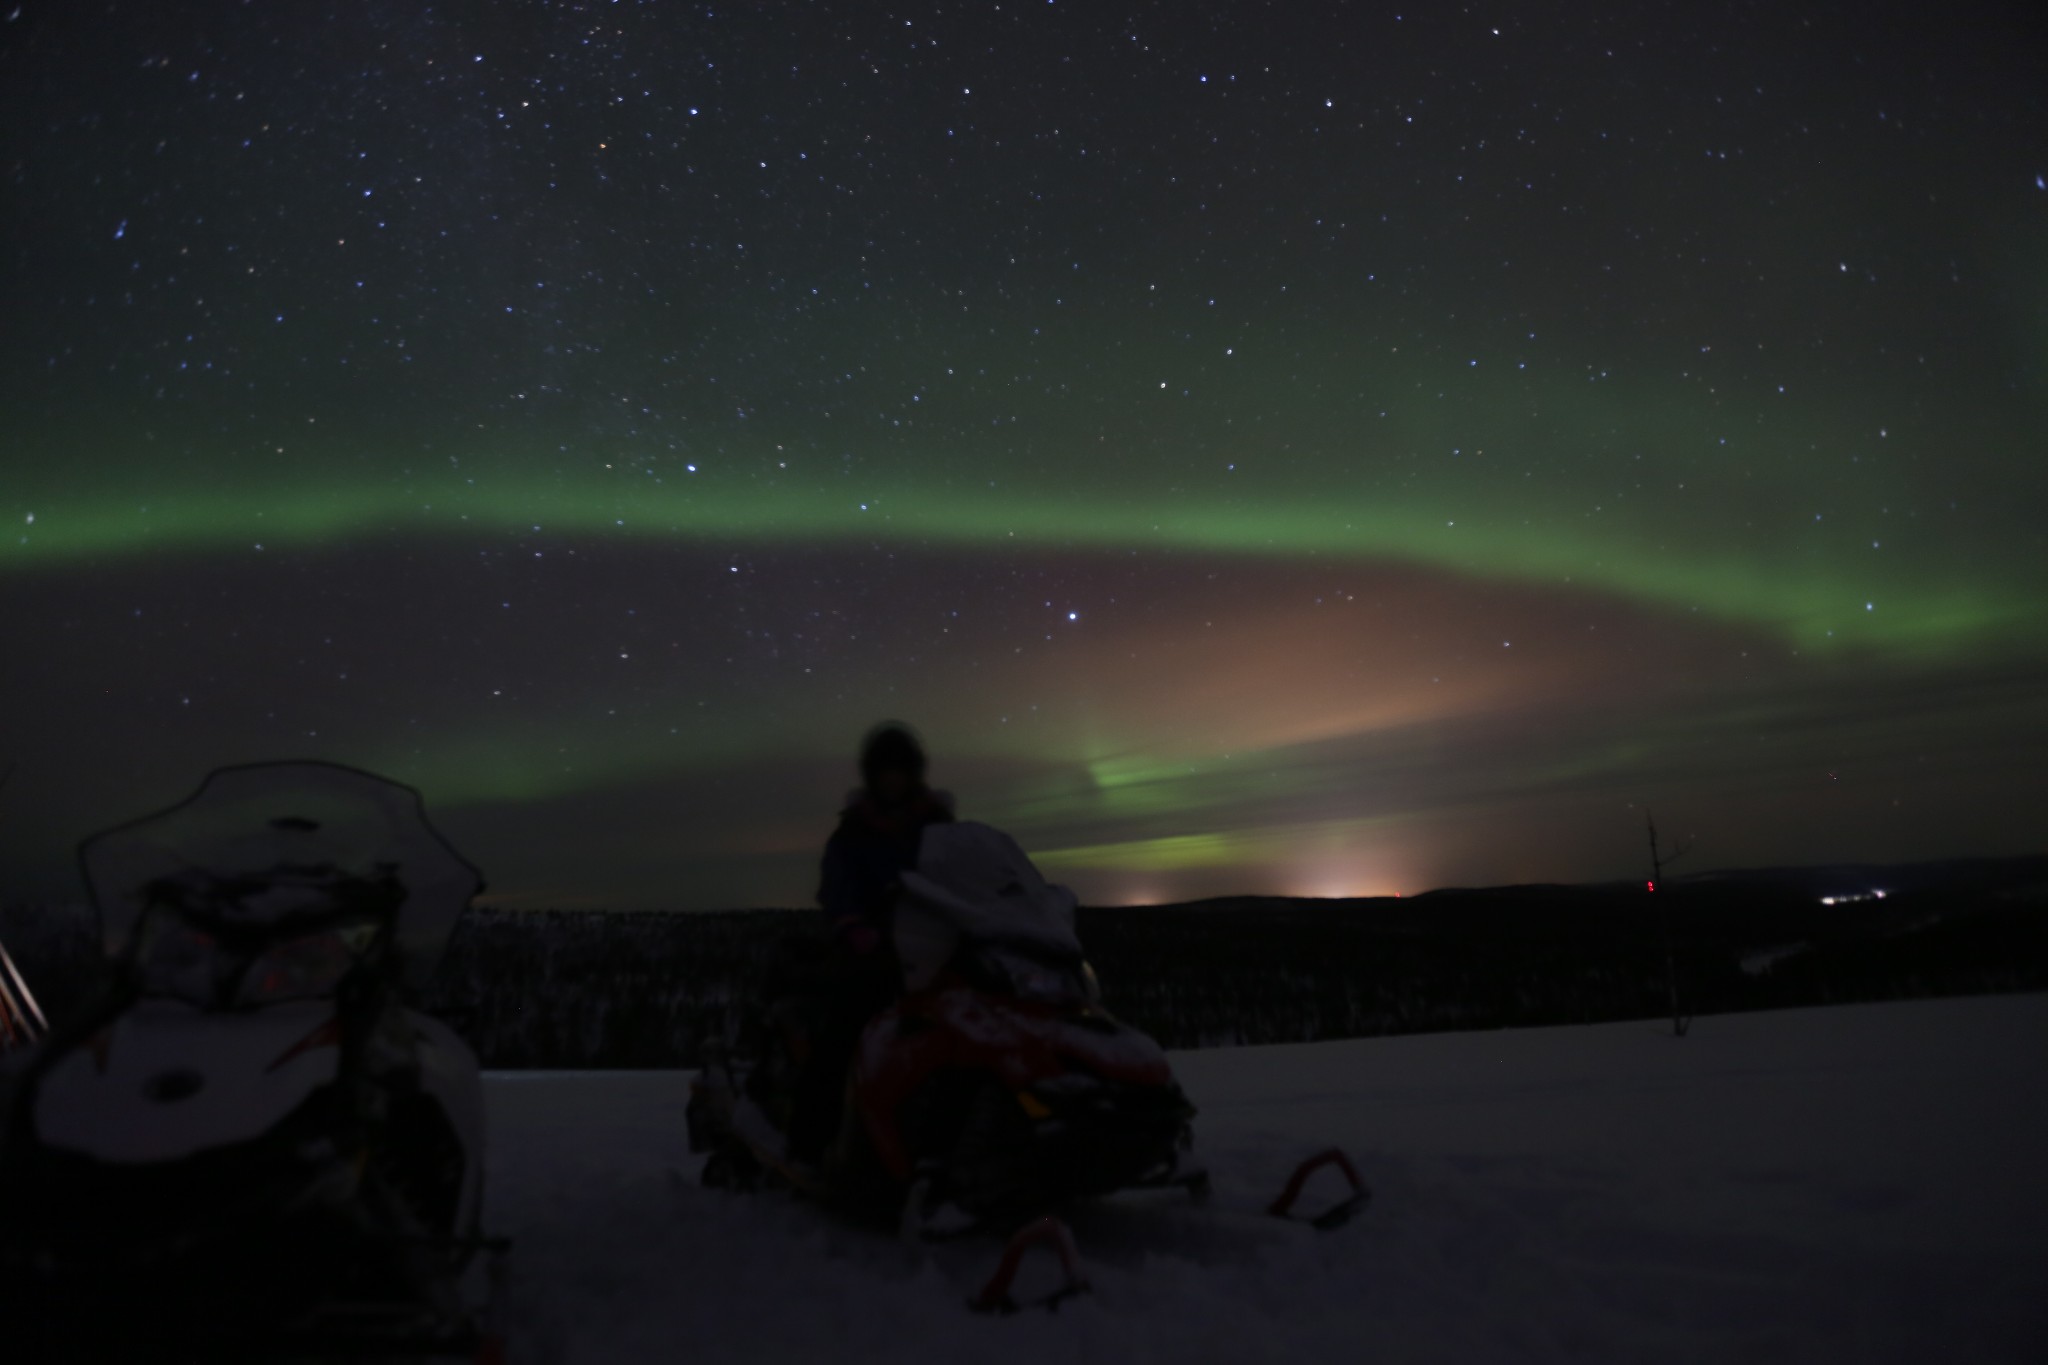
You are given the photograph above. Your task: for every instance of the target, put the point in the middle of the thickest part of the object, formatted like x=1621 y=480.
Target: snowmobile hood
x=976 y=877
x=166 y=1080
x=291 y=825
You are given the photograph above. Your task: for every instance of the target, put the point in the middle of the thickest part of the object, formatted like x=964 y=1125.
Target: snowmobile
x=249 y=1147
x=993 y=1092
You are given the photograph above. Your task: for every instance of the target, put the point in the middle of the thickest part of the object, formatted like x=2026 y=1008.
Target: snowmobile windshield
x=975 y=893
x=268 y=854
x=978 y=879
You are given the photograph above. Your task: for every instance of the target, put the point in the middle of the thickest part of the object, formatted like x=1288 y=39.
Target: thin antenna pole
x=1680 y=1021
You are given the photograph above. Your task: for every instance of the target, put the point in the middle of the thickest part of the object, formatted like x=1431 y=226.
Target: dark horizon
x=1853 y=881
x=1327 y=451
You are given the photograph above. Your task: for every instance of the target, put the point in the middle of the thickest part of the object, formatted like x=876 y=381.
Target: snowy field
x=1866 y=1183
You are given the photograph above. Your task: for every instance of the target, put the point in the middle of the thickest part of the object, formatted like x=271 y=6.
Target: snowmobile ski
x=1337 y=1214
x=1050 y=1232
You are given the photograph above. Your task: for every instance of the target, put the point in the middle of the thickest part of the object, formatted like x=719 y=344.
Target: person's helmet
x=891 y=746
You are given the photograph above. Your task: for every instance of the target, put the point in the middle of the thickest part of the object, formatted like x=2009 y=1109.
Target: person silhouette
x=877 y=837
x=873 y=845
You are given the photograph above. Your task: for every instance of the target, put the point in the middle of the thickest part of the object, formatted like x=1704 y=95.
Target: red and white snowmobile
x=996 y=1089
x=251 y=1148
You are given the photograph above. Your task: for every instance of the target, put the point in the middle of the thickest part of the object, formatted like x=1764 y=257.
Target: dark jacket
x=872 y=847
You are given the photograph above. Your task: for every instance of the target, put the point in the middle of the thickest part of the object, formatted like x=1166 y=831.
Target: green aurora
x=1817 y=586
x=1305 y=451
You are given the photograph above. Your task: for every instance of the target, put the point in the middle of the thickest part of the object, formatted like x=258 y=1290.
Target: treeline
x=579 y=989
x=572 y=989
x=590 y=988
x=1276 y=972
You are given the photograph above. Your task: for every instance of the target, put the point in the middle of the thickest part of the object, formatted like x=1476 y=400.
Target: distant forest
x=590 y=989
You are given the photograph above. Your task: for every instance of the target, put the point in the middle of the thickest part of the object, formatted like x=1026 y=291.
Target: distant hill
x=1994 y=874
x=643 y=990
x=596 y=989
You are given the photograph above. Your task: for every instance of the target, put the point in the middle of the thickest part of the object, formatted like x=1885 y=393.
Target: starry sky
x=1303 y=448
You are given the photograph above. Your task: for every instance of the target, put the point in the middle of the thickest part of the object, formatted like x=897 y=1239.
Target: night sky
x=1296 y=448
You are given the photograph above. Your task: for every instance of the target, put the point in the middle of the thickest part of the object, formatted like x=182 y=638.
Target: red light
x=1650 y=885
x=327 y=1034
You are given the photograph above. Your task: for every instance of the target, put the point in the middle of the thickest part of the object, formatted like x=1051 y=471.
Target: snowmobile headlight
x=1033 y=1105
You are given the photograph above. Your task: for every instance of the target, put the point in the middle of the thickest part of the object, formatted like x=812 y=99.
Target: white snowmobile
x=250 y=1148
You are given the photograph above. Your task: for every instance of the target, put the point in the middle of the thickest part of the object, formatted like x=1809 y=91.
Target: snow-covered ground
x=1863 y=1184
